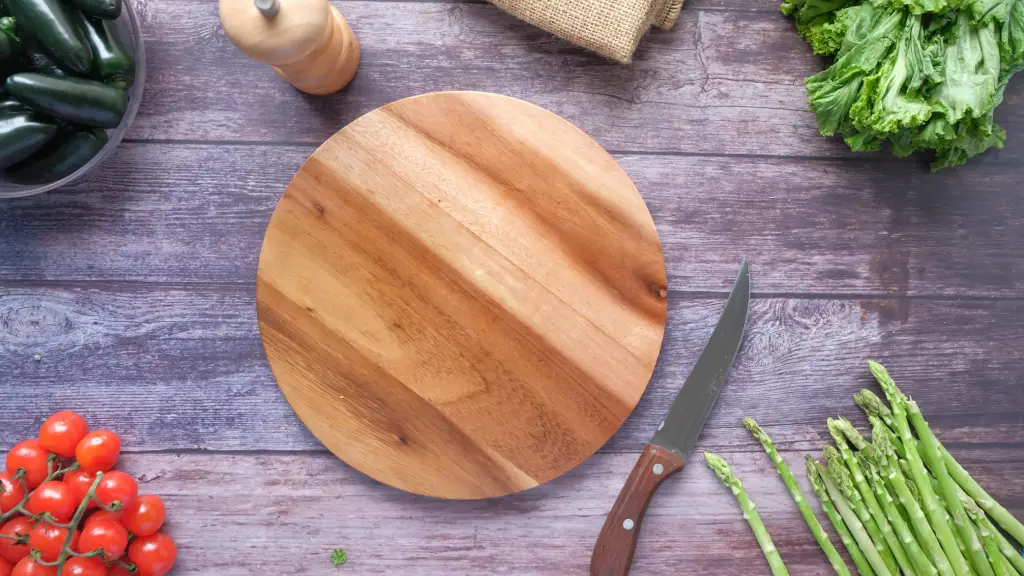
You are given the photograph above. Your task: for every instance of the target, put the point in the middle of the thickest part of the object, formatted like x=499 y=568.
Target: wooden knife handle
x=613 y=553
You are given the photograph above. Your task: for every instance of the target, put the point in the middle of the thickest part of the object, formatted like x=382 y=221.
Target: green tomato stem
x=19 y=476
x=96 y=552
x=47 y=518
x=65 y=552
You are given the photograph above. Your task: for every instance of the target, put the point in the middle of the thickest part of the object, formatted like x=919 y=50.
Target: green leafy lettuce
x=915 y=75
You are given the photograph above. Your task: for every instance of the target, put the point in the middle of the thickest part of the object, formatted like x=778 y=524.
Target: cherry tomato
x=153 y=555
x=119 y=570
x=116 y=486
x=5 y=567
x=48 y=540
x=109 y=535
x=11 y=493
x=62 y=432
x=9 y=550
x=80 y=482
x=145 y=517
x=101 y=515
x=54 y=497
x=29 y=567
x=98 y=451
x=77 y=566
x=30 y=455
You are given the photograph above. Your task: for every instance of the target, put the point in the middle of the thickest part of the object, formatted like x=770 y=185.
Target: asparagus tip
x=834 y=428
x=758 y=432
x=713 y=459
x=877 y=369
x=971 y=507
x=813 y=473
x=880 y=435
x=722 y=469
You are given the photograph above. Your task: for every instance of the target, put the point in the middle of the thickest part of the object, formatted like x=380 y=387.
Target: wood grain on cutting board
x=462 y=295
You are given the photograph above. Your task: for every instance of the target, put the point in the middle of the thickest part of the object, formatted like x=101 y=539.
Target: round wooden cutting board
x=462 y=295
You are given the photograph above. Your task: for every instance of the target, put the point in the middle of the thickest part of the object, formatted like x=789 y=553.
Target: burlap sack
x=612 y=28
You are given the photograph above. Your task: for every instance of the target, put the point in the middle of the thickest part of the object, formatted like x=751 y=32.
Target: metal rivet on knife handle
x=614 y=550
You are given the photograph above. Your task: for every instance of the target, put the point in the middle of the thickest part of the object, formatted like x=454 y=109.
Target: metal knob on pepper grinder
x=307 y=42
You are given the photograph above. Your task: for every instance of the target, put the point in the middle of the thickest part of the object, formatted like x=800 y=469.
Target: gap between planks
x=147 y=285
x=872 y=158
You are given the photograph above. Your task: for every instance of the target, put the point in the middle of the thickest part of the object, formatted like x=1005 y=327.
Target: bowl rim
x=9 y=190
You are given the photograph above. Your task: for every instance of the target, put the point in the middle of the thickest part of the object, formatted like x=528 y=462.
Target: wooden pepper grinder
x=307 y=42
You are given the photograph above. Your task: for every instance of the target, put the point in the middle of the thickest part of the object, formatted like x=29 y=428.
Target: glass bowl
x=129 y=33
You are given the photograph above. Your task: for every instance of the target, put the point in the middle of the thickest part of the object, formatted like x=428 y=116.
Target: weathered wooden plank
x=175 y=213
x=183 y=367
x=256 y=515
x=721 y=82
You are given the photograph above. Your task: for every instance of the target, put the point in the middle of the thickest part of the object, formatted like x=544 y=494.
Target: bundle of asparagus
x=900 y=502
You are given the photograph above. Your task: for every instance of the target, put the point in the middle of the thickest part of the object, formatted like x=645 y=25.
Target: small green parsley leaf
x=338 y=557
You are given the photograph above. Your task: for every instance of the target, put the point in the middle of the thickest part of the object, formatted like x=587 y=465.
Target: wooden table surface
x=136 y=289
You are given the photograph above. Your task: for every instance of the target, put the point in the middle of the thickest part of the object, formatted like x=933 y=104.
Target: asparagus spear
x=860 y=534
x=947 y=489
x=897 y=445
x=868 y=497
x=850 y=432
x=1000 y=565
x=1006 y=550
x=961 y=543
x=798 y=495
x=725 y=474
x=931 y=502
x=1009 y=552
x=872 y=405
x=866 y=449
x=994 y=510
x=992 y=549
x=841 y=476
x=891 y=470
x=863 y=567
x=917 y=556
x=910 y=485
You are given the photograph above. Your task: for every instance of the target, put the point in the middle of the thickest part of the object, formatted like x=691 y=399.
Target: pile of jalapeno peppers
x=65 y=80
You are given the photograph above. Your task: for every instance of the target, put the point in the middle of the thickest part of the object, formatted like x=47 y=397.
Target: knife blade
x=667 y=451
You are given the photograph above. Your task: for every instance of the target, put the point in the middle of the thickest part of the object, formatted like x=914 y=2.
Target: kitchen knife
x=667 y=451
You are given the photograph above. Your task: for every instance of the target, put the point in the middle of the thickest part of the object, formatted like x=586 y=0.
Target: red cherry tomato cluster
x=64 y=511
